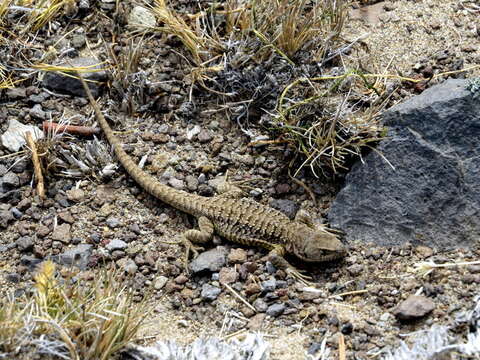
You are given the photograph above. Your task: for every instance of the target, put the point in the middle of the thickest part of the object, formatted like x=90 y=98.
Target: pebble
x=62 y=233
x=116 y=244
x=227 y=276
x=237 y=256
x=75 y=195
x=256 y=322
x=160 y=282
x=128 y=265
x=24 y=243
x=212 y=260
x=79 y=256
x=260 y=305
x=37 y=112
x=275 y=310
x=210 y=292
x=414 y=307
x=356 y=269
x=269 y=285
x=176 y=183
x=113 y=222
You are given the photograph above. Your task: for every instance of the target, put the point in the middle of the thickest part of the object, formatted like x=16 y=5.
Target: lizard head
x=316 y=245
x=313 y=244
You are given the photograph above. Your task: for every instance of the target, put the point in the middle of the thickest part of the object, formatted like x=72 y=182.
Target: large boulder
x=432 y=196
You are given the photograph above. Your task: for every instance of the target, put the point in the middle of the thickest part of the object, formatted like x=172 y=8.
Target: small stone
x=260 y=305
x=42 y=230
x=25 y=243
x=128 y=265
x=76 y=195
x=160 y=282
x=275 y=310
x=192 y=182
x=113 y=222
x=212 y=260
x=141 y=18
x=171 y=286
x=13 y=278
x=66 y=216
x=181 y=279
x=16 y=93
x=79 y=256
x=269 y=285
x=10 y=181
x=204 y=136
x=237 y=256
x=424 y=251
x=62 y=233
x=256 y=322
x=210 y=292
x=176 y=183
x=116 y=244
x=414 y=307
x=288 y=207
x=37 y=112
x=355 y=269
x=228 y=275
x=78 y=41
x=252 y=288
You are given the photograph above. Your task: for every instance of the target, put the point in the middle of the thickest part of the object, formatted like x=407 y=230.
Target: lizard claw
x=297 y=274
x=189 y=247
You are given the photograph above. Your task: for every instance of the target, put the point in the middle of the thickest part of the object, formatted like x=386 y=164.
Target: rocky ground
x=373 y=298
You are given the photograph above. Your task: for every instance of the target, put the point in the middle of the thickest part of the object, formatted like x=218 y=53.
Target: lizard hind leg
x=201 y=236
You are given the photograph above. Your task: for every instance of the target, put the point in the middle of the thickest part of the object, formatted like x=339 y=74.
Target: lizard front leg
x=277 y=258
x=201 y=236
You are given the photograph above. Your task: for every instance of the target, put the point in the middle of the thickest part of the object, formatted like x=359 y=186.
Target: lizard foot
x=297 y=275
x=189 y=247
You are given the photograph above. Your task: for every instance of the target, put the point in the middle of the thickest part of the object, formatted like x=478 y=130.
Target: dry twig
x=36 y=165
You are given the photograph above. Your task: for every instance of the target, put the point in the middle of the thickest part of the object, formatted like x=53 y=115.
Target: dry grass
x=65 y=319
x=293 y=25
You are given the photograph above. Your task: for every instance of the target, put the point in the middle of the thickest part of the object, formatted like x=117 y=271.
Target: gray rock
x=78 y=41
x=275 y=310
x=64 y=84
x=116 y=244
x=30 y=262
x=212 y=260
x=113 y=222
x=210 y=292
x=141 y=18
x=414 y=307
x=16 y=93
x=288 y=207
x=24 y=243
x=36 y=112
x=10 y=181
x=260 y=305
x=128 y=265
x=6 y=217
x=160 y=282
x=79 y=256
x=62 y=233
x=433 y=195
x=268 y=285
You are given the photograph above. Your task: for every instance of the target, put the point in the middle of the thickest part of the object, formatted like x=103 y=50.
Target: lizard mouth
x=328 y=256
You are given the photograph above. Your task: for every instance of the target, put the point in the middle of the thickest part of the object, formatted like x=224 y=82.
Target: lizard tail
x=173 y=197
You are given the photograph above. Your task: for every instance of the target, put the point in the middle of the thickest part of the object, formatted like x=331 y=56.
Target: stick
x=71 y=129
x=36 y=165
x=341 y=348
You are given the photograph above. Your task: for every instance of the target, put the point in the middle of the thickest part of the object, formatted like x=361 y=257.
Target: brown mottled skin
x=234 y=217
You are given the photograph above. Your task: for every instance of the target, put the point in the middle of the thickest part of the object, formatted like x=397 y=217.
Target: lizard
x=233 y=216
